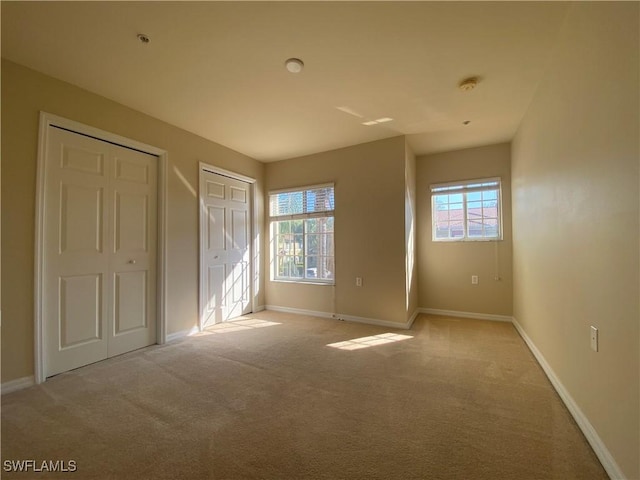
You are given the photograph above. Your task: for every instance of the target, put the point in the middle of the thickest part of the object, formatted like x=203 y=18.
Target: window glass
x=302 y=226
x=466 y=211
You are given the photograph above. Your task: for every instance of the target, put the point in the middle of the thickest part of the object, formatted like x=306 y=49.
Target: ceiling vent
x=468 y=84
x=294 y=65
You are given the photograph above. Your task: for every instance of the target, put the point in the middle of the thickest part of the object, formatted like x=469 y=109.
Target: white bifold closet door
x=100 y=241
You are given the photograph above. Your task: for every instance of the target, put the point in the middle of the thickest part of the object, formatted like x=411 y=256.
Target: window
x=466 y=211
x=302 y=234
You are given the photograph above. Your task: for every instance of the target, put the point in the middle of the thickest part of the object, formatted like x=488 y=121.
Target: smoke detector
x=468 y=84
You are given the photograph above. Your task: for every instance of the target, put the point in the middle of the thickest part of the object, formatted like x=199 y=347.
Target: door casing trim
x=48 y=120
x=253 y=226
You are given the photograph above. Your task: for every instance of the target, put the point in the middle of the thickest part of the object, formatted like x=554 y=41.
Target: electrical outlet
x=474 y=279
x=358 y=281
x=594 y=338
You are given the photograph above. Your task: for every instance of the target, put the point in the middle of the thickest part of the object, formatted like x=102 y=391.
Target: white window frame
x=465 y=187
x=274 y=219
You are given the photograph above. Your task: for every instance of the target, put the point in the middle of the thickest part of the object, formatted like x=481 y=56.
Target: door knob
x=131 y=261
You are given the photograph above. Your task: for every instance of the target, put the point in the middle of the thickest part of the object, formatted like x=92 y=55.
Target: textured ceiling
x=217 y=68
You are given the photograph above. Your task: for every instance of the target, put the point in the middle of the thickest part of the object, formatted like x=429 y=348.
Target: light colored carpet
x=266 y=397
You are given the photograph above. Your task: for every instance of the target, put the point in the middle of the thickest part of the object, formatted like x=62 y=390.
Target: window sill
x=304 y=282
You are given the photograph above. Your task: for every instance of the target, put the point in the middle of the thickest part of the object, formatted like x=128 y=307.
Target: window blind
x=302 y=203
x=466 y=186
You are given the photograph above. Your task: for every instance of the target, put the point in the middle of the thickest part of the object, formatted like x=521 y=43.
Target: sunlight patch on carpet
x=365 y=342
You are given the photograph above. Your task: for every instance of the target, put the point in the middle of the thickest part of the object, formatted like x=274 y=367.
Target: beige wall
x=445 y=268
x=575 y=209
x=369 y=230
x=410 y=225
x=24 y=94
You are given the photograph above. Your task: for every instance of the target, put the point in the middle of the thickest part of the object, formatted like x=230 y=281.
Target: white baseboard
x=374 y=321
x=455 y=313
x=340 y=316
x=17 y=384
x=299 y=311
x=259 y=308
x=601 y=451
x=412 y=318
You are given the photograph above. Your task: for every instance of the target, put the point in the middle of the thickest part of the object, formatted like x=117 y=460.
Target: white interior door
x=225 y=239
x=99 y=250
